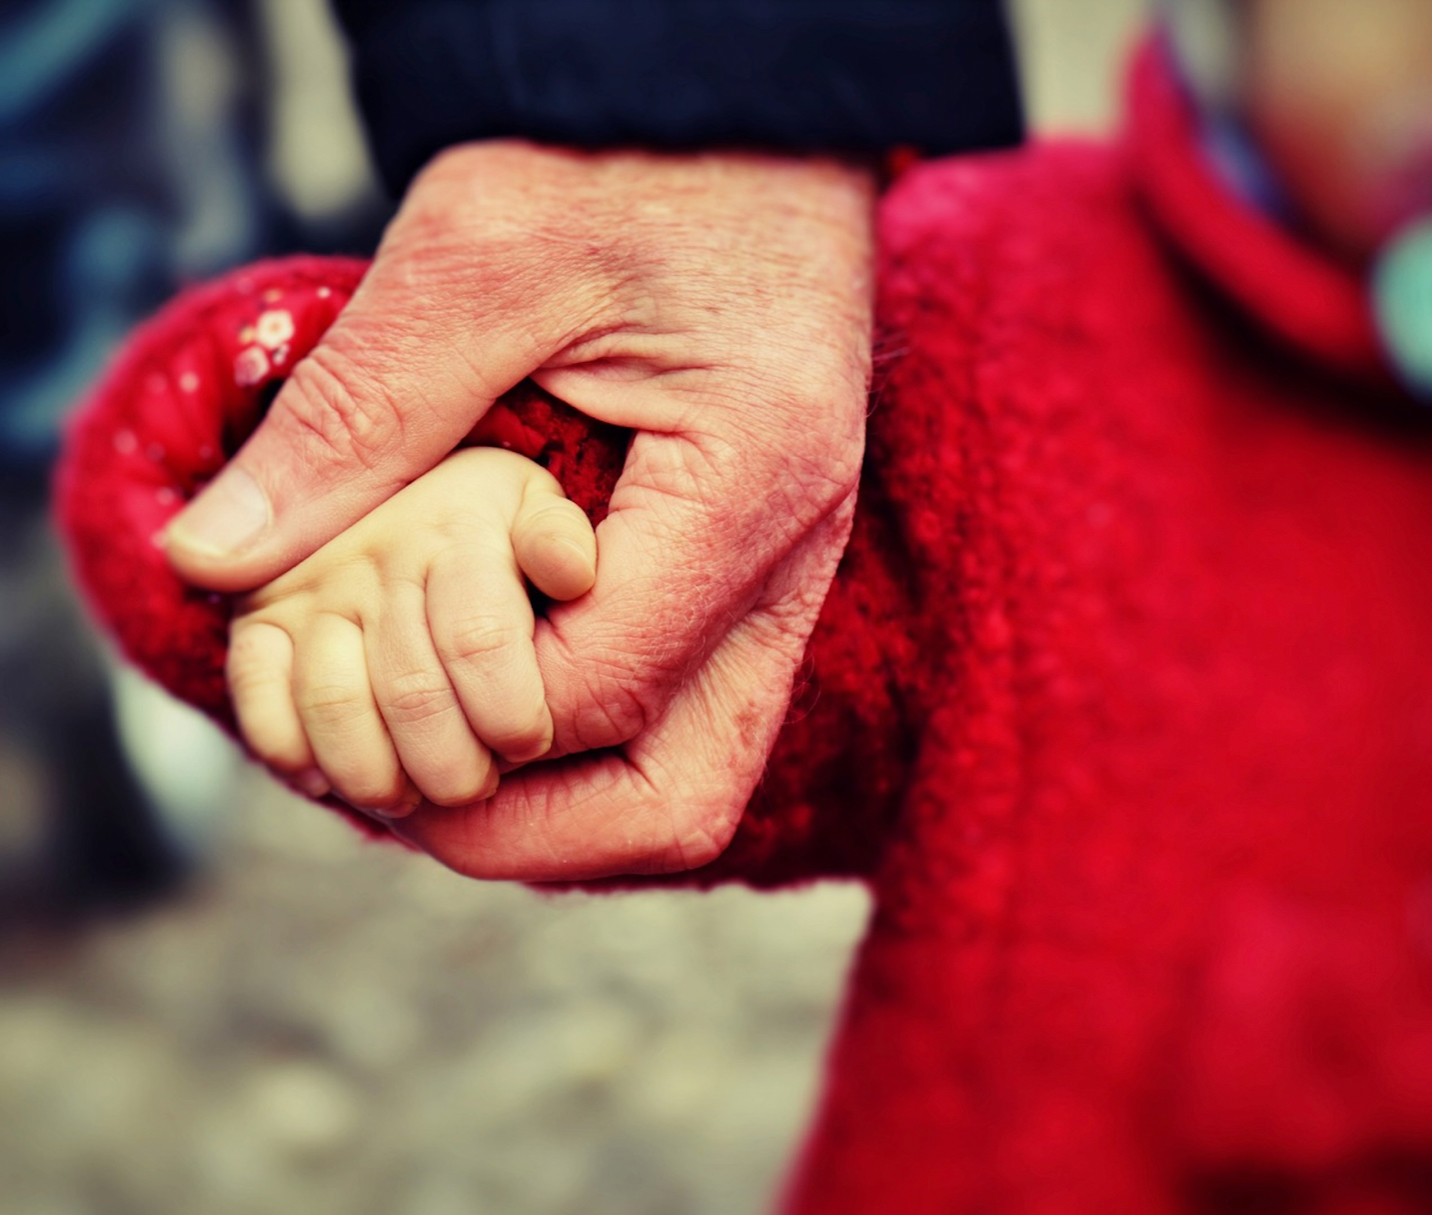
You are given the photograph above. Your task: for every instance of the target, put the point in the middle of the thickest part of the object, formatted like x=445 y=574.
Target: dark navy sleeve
x=842 y=76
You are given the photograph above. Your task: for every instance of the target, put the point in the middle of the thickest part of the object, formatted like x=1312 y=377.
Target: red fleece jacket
x=1120 y=702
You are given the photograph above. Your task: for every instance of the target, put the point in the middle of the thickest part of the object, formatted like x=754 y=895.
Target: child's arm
x=395 y=662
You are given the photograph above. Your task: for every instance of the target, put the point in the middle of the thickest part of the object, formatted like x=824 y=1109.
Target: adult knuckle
x=340 y=412
x=612 y=713
x=790 y=466
x=822 y=483
x=687 y=833
x=609 y=682
x=695 y=465
x=823 y=460
x=693 y=846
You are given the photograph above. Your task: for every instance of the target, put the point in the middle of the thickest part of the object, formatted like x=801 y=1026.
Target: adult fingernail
x=312 y=782
x=226 y=517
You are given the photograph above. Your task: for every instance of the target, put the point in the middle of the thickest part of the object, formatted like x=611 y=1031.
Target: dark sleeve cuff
x=842 y=76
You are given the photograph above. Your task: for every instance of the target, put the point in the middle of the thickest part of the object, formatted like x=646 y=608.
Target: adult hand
x=719 y=305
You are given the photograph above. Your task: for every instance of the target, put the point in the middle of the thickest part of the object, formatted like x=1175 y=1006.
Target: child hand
x=398 y=659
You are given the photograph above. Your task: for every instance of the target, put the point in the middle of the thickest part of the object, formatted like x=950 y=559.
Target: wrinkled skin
x=720 y=306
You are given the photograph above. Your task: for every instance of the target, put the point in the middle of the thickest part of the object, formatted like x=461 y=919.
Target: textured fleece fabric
x=1120 y=702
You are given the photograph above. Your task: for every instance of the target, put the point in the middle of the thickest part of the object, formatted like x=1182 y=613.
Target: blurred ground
x=315 y=1024
x=325 y=1025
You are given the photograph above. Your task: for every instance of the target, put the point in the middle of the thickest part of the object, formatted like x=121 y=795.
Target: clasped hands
x=717 y=305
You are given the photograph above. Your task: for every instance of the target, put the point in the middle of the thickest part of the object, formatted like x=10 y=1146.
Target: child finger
x=482 y=626
x=555 y=545
x=436 y=746
x=336 y=705
x=259 y=669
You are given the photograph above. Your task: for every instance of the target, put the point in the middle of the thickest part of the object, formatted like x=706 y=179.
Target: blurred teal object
x=1401 y=297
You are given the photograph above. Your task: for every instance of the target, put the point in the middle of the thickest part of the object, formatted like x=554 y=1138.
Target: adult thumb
x=398 y=380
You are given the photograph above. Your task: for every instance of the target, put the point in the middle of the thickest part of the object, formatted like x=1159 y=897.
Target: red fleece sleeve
x=181 y=398
x=194 y=382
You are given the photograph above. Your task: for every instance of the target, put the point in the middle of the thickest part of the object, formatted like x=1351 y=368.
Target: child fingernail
x=530 y=755
x=312 y=783
x=381 y=816
x=580 y=559
x=391 y=813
